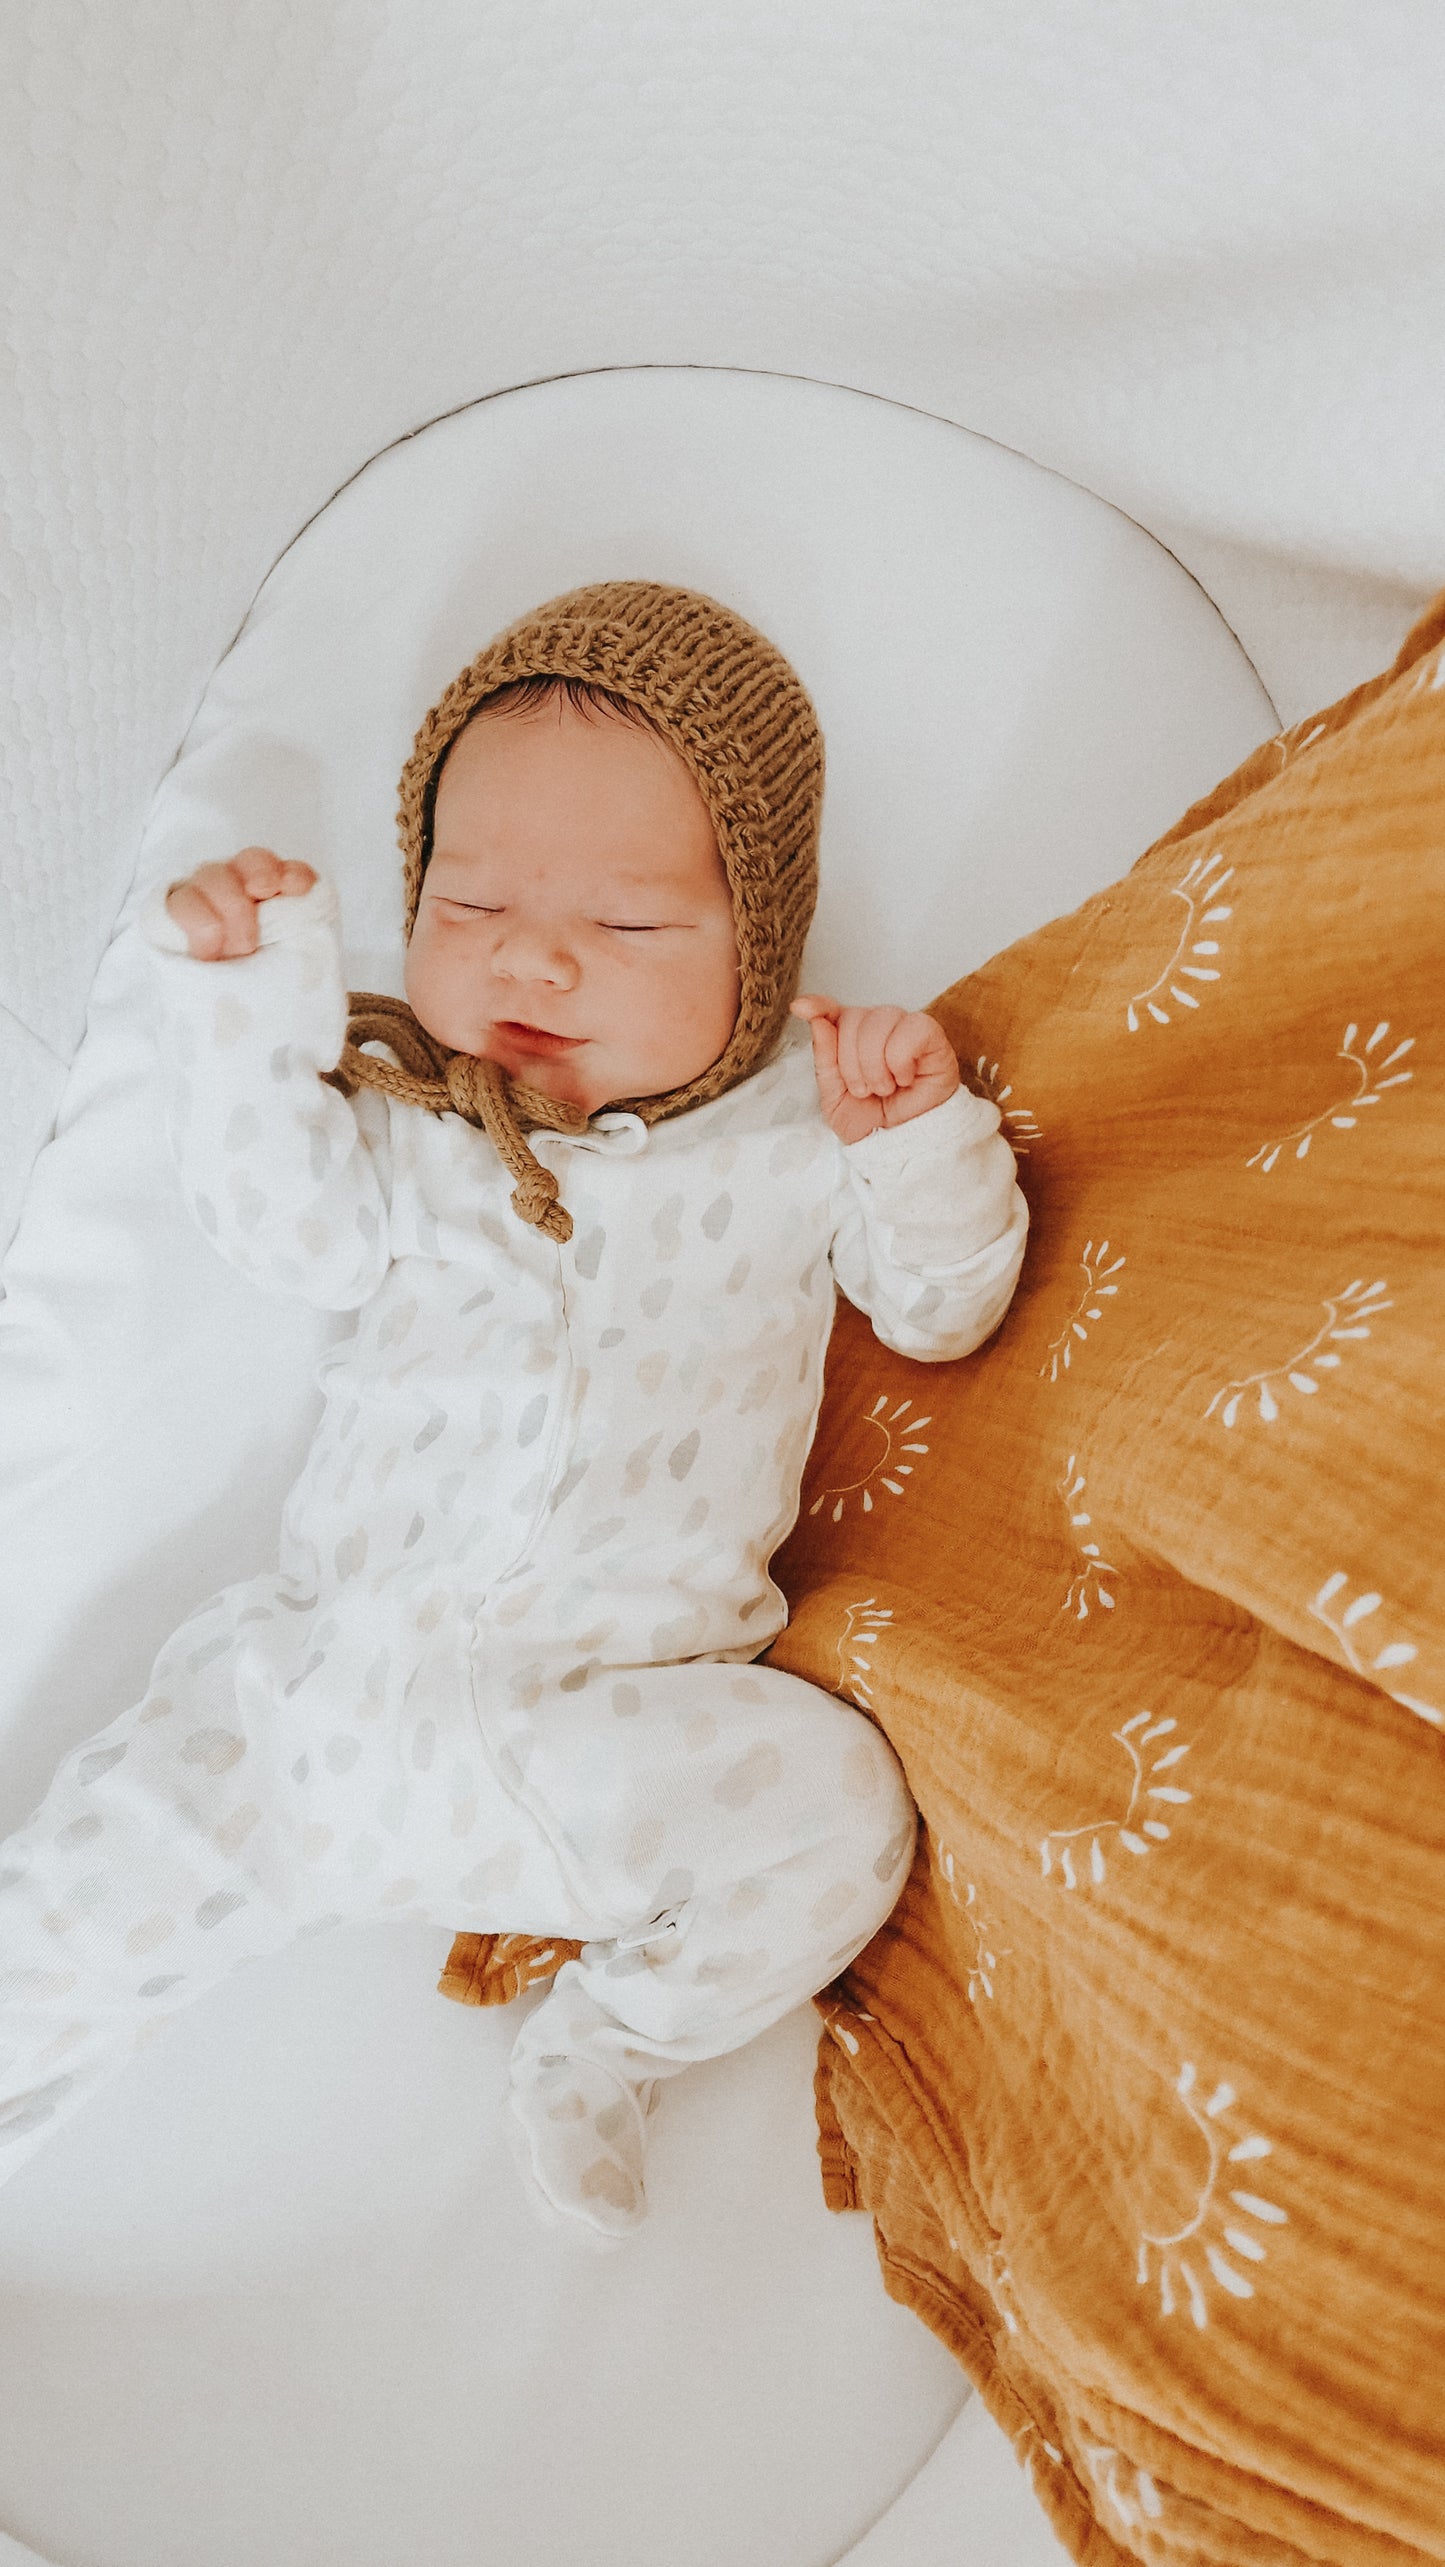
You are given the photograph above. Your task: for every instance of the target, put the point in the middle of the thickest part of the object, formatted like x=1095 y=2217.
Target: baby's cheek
x=704 y=1010
x=442 y=992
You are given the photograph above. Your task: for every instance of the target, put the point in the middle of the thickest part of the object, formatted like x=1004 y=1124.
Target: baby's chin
x=578 y=1081
x=587 y=1080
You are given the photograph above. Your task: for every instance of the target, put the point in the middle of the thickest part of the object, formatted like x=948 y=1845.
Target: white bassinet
x=1048 y=389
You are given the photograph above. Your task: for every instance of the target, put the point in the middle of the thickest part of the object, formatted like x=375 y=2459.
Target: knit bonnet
x=735 y=711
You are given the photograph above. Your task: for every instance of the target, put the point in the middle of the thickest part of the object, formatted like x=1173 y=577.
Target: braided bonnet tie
x=454 y=1082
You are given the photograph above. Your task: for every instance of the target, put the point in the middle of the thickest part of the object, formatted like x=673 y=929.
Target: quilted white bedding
x=1193 y=261
x=1190 y=261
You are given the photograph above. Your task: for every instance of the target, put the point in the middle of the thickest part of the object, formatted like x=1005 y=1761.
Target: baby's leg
x=279 y=1775
x=761 y=1834
x=160 y=1859
x=139 y=1881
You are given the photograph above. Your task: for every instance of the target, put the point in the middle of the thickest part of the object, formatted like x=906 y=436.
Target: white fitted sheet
x=275 y=2300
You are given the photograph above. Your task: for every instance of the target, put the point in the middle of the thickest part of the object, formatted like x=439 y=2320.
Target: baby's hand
x=216 y=905
x=876 y=1065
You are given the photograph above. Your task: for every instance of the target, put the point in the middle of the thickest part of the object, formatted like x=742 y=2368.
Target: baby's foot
x=577 y=2135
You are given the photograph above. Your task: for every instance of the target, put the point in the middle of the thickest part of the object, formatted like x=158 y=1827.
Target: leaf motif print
x=1057 y=1848
x=886 y=1438
x=1344 y=1114
x=1356 y=1306
x=1021 y=1128
x=1089 y=1580
x=1097 y=1289
x=862 y=1624
x=1183 y=2257
x=1342 y=1627
x=1199 y=883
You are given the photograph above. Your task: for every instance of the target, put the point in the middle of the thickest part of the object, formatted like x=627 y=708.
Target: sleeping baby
x=588 y=1192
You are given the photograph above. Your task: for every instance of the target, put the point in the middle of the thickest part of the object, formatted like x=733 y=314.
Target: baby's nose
x=530 y=953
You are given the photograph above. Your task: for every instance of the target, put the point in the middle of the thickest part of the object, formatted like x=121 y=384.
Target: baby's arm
x=289 y=1180
x=931 y=1224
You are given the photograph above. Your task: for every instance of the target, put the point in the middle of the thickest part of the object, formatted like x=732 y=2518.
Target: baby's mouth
x=535 y=1038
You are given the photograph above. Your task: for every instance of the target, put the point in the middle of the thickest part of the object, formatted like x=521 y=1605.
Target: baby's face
x=575 y=923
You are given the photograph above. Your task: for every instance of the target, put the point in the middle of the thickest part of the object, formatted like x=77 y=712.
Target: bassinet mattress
x=283 y=2271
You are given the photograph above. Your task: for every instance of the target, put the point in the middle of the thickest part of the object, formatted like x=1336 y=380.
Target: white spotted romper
x=501 y=1679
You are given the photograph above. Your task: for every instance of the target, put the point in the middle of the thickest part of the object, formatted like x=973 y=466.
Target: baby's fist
x=876 y=1065
x=216 y=905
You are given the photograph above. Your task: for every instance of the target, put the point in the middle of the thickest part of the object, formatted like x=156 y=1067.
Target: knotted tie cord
x=454 y=1082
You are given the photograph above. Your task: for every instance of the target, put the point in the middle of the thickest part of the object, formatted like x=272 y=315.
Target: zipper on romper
x=665 y=1922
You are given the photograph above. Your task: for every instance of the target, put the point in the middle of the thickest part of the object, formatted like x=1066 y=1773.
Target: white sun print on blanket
x=833 y=2023
x=1137 y=1835
x=1346 y=1320
x=1087 y=1582
x=1183 y=2259
x=1096 y=1269
x=1050 y=2449
x=1022 y=1128
x=1290 y=744
x=1343 y=1627
x=1344 y=1114
x=1000 y=2281
x=985 y=1960
x=1140 y=2503
x=890 y=1429
x=861 y=1625
x=1199 y=883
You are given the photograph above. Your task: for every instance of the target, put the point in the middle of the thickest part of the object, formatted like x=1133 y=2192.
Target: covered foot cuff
x=578 y=2138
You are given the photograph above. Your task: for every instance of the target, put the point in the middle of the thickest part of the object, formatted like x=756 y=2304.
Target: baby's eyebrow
x=638 y=886
x=618 y=890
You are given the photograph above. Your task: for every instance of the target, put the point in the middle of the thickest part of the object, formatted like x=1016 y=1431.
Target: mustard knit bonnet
x=735 y=711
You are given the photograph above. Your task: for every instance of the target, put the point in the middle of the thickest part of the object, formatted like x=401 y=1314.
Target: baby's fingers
x=910 y=1040
x=862 y=1035
x=820 y=1016
x=883 y=1070
x=267 y=876
x=216 y=906
x=217 y=916
x=825 y=1052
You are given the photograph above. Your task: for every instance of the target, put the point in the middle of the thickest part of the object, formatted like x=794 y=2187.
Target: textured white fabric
x=489 y=1682
x=588 y=1452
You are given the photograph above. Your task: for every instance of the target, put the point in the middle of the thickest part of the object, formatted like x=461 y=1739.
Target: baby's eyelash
x=617 y=926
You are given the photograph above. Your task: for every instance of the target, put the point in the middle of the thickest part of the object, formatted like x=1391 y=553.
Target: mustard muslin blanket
x=1143 y=2082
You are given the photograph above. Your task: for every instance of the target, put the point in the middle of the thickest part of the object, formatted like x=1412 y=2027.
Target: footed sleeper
x=502 y=1677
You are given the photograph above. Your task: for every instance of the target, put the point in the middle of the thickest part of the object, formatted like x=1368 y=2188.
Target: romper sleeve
x=290 y=1180
x=931 y=1227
